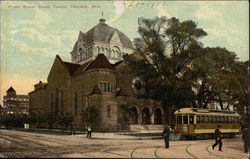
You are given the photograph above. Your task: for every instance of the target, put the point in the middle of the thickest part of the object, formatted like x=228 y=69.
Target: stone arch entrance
x=145 y=116
x=157 y=116
x=133 y=115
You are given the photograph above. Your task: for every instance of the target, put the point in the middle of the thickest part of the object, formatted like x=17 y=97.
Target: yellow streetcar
x=201 y=123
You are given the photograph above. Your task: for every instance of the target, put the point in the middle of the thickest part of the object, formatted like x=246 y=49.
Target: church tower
x=101 y=39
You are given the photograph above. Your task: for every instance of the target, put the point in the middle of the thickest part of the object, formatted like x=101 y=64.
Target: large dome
x=102 y=32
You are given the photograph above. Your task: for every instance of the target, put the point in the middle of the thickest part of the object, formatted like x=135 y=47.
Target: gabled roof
x=100 y=62
x=71 y=66
x=11 y=90
x=82 y=68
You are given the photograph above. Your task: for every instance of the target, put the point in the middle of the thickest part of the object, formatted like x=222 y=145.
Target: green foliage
x=179 y=72
x=65 y=119
x=90 y=115
x=51 y=120
x=14 y=120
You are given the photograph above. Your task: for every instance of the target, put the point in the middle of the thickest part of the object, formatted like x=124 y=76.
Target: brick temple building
x=98 y=77
x=15 y=104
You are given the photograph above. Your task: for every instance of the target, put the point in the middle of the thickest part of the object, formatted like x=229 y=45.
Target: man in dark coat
x=245 y=137
x=166 y=134
x=218 y=138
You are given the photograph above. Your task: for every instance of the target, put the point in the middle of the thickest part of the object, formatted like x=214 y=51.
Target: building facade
x=97 y=79
x=15 y=104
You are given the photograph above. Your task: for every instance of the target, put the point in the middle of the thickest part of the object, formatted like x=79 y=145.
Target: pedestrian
x=218 y=138
x=89 y=131
x=166 y=134
x=245 y=139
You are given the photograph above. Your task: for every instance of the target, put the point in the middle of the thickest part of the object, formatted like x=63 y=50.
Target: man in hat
x=218 y=138
x=166 y=134
x=245 y=139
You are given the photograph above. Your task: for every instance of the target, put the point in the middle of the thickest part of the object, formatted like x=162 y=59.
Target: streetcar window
x=233 y=120
x=179 y=120
x=211 y=119
x=191 y=119
x=226 y=120
x=197 y=119
x=206 y=119
x=185 y=119
x=219 y=119
x=229 y=119
x=215 y=119
x=222 y=119
x=238 y=119
x=202 y=119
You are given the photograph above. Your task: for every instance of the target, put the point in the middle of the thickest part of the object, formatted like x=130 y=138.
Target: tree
x=213 y=71
x=50 y=120
x=166 y=47
x=90 y=115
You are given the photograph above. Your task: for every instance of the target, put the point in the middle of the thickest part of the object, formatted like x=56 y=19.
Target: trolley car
x=201 y=123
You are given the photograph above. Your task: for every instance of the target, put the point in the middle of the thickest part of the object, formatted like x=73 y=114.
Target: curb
x=137 y=138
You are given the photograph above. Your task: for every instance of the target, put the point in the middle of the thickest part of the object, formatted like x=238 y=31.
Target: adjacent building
x=15 y=104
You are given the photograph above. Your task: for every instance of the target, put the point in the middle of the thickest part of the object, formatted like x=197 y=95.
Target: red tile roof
x=71 y=66
x=100 y=62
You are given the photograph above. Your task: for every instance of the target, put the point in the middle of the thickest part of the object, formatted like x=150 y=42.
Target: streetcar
x=201 y=123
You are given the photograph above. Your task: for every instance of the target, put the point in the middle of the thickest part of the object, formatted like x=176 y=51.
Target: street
x=108 y=145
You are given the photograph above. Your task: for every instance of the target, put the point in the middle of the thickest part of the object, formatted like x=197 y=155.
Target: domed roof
x=103 y=32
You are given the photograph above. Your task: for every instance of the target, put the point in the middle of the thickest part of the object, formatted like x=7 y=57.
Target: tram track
x=218 y=156
x=190 y=152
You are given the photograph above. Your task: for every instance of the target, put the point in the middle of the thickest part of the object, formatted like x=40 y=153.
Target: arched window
x=52 y=102
x=109 y=89
x=62 y=104
x=133 y=115
x=75 y=104
x=102 y=50
x=56 y=101
x=90 y=52
x=106 y=53
x=157 y=116
x=108 y=111
x=105 y=87
x=113 y=54
x=98 y=50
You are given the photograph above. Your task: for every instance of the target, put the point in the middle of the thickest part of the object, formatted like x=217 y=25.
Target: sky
x=33 y=33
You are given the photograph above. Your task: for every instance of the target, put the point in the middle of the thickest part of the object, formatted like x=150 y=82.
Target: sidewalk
x=117 y=136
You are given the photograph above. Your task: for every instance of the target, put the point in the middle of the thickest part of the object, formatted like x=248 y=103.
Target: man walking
x=218 y=138
x=89 y=131
x=245 y=139
x=166 y=134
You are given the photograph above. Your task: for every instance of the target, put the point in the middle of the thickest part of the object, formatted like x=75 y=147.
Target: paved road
x=23 y=144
